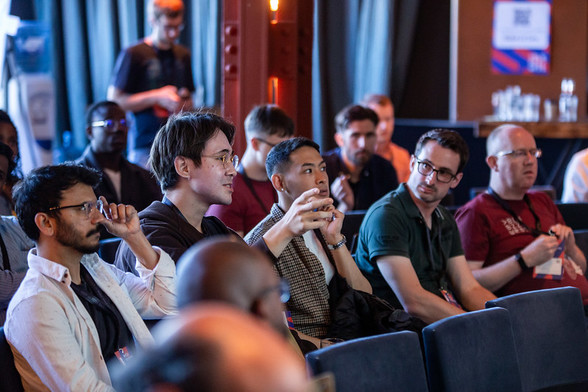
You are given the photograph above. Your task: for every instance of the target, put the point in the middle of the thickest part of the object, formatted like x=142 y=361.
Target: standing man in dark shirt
x=358 y=177
x=153 y=78
x=122 y=181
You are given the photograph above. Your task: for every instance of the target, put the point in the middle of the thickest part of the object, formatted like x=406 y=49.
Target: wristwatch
x=338 y=244
x=521 y=261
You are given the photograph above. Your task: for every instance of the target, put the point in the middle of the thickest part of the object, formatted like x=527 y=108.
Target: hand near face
x=120 y=220
x=306 y=213
x=332 y=230
x=342 y=192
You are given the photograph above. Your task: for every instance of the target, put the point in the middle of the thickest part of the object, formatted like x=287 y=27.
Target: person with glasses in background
x=122 y=181
x=515 y=239
x=73 y=312
x=153 y=78
x=409 y=245
x=265 y=126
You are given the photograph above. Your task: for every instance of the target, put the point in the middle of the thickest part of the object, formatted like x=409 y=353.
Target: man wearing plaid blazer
x=308 y=260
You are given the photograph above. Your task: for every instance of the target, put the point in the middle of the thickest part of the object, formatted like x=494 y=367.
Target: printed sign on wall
x=521 y=37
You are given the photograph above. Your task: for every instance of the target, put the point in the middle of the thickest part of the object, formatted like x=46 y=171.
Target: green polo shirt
x=393 y=226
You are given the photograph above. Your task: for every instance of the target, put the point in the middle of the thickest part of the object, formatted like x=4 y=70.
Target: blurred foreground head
x=214 y=347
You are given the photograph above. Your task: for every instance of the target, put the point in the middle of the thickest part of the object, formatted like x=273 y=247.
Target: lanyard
x=249 y=184
x=536 y=231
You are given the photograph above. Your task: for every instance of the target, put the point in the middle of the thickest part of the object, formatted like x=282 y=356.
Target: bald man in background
x=215 y=348
x=227 y=270
x=510 y=233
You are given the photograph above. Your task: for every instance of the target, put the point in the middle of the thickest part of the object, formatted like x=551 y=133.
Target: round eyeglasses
x=225 y=158
x=86 y=207
x=443 y=175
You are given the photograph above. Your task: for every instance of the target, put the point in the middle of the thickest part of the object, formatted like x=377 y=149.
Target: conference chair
x=550 y=337
x=390 y=362
x=9 y=377
x=472 y=351
x=350 y=228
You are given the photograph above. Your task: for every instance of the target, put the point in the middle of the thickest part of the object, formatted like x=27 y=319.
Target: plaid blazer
x=309 y=293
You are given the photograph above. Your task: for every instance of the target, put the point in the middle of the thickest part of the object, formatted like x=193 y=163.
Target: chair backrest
x=473 y=351
x=9 y=376
x=389 y=362
x=574 y=214
x=108 y=248
x=350 y=228
x=550 y=335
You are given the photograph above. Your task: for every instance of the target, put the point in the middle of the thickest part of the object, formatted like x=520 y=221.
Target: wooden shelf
x=549 y=130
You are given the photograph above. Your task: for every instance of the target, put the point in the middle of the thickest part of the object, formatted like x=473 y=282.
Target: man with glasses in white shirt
x=122 y=181
x=409 y=245
x=515 y=239
x=73 y=312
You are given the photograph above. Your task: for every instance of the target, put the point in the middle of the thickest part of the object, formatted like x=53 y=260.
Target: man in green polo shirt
x=409 y=246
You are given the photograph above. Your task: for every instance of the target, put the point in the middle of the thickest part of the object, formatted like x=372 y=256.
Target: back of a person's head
x=220 y=269
x=213 y=347
x=268 y=120
x=184 y=134
x=446 y=138
x=43 y=188
x=278 y=159
x=352 y=113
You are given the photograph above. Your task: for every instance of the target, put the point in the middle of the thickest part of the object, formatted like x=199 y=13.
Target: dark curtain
x=89 y=34
x=360 y=46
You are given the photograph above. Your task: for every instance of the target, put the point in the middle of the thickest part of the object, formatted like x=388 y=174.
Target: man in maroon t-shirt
x=265 y=126
x=510 y=235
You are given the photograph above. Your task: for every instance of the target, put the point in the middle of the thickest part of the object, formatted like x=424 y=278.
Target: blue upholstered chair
x=9 y=377
x=390 y=362
x=550 y=335
x=473 y=351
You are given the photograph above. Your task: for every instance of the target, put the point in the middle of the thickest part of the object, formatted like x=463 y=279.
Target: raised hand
x=342 y=192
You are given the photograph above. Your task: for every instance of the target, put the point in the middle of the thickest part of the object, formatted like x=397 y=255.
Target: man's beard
x=67 y=236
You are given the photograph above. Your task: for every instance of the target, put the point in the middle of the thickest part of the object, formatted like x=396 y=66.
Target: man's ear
x=456 y=180
x=181 y=166
x=45 y=223
x=339 y=139
x=254 y=143
x=89 y=133
x=491 y=162
x=278 y=182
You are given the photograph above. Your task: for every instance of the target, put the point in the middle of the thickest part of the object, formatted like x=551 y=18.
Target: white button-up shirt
x=55 y=341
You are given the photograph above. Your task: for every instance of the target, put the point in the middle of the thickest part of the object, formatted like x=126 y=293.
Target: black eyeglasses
x=425 y=168
x=266 y=142
x=284 y=289
x=86 y=207
x=111 y=125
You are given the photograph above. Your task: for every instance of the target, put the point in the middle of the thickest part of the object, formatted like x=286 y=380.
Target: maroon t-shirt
x=491 y=234
x=245 y=212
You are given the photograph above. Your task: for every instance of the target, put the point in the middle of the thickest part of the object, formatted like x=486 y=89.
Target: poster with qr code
x=521 y=37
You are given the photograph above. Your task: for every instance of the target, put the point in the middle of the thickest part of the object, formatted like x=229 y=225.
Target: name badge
x=553 y=268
